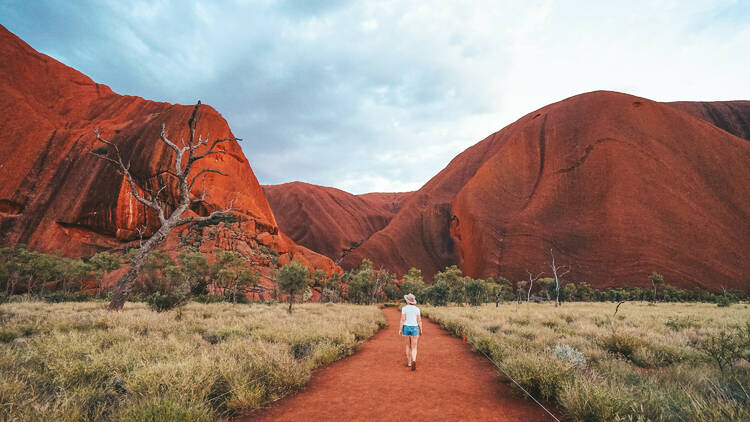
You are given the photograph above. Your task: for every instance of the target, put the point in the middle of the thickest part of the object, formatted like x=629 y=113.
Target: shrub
x=622 y=344
x=655 y=355
x=216 y=337
x=724 y=348
x=159 y=409
x=60 y=297
x=587 y=400
x=569 y=354
x=210 y=298
x=726 y=300
x=164 y=302
x=678 y=323
x=541 y=377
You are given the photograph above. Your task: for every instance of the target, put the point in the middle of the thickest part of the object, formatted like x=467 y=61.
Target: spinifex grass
x=645 y=363
x=77 y=361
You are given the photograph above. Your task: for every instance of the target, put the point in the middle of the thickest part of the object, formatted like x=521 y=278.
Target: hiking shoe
x=414 y=366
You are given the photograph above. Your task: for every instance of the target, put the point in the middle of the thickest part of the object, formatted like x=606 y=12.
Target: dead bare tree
x=184 y=160
x=559 y=271
x=532 y=279
x=612 y=320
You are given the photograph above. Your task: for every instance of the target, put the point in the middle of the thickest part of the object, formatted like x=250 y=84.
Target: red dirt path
x=451 y=383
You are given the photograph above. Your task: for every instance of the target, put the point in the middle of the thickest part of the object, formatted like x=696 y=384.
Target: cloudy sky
x=381 y=95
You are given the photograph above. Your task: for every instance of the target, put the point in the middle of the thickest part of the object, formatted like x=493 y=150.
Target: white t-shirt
x=411 y=313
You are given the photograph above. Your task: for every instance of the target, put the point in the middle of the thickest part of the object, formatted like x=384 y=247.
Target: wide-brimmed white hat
x=410 y=299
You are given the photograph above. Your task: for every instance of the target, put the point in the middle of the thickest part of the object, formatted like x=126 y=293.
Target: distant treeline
x=166 y=282
x=451 y=286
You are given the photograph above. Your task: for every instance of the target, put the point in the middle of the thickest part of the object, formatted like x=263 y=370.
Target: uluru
x=56 y=195
x=617 y=186
x=328 y=220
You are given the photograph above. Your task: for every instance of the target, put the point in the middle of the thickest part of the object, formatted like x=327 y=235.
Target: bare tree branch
x=204 y=171
x=558 y=271
x=163 y=137
x=532 y=279
x=178 y=207
x=122 y=168
x=215 y=214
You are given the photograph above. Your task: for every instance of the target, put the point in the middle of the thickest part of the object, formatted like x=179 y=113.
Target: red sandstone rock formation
x=54 y=195
x=329 y=220
x=731 y=116
x=618 y=186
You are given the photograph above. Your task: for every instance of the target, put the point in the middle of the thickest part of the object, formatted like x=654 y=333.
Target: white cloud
x=382 y=95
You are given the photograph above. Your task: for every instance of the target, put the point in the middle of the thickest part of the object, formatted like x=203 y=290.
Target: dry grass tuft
x=76 y=361
x=650 y=363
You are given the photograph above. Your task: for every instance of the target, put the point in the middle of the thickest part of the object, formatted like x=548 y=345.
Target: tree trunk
x=125 y=284
x=291 y=300
x=528 y=294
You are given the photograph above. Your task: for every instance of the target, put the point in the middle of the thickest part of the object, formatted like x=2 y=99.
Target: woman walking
x=410 y=329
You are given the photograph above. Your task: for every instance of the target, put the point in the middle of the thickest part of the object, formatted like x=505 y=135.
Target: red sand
x=451 y=383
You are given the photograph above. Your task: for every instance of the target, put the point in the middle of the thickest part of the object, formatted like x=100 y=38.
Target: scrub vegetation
x=200 y=362
x=647 y=362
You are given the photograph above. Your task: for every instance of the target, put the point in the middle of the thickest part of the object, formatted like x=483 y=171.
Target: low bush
x=587 y=399
x=678 y=323
x=725 y=347
x=178 y=296
x=60 y=297
x=622 y=344
x=569 y=354
x=543 y=378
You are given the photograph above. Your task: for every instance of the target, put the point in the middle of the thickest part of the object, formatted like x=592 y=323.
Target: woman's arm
x=419 y=322
x=401 y=326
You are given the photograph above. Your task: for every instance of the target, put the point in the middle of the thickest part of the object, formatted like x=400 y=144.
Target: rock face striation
x=617 y=186
x=56 y=195
x=328 y=220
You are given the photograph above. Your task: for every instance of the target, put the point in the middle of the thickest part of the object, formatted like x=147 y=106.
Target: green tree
x=439 y=293
x=103 y=263
x=476 y=292
x=331 y=291
x=153 y=278
x=294 y=278
x=361 y=283
x=414 y=284
x=547 y=287
x=12 y=267
x=453 y=277
x=657 y=280
x=521 y=290
x=570 y=292
x=194 y=266
x=72 y=271
x=232 y=275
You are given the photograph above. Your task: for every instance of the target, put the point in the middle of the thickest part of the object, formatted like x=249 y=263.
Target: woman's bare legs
x=414 y=341
x=407 y=342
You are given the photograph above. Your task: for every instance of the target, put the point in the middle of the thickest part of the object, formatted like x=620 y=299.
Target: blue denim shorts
x=411 y=331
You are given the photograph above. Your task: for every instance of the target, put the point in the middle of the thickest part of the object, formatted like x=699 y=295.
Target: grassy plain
x=77 y=361
x=647 y=363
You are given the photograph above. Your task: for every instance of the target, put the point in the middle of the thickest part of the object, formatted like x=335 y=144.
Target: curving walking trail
x=451 y=383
